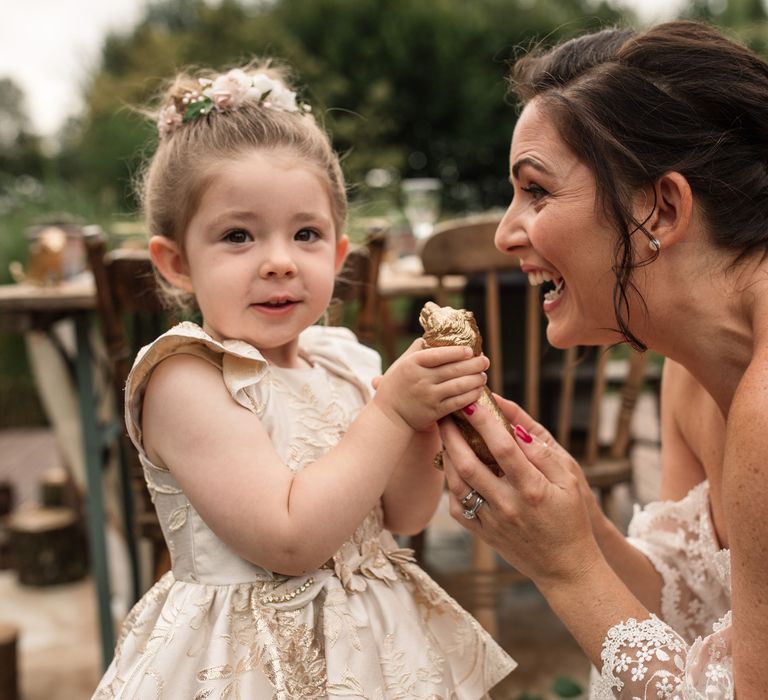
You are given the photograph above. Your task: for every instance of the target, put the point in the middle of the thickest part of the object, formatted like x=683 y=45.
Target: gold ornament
x=444 y=325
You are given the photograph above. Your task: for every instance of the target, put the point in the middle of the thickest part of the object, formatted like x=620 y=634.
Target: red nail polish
x=469 y=410
x=523 y=434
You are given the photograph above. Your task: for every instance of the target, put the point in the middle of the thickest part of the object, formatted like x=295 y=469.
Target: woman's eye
x=306 y=235
x=237 y=236
x=535 y=191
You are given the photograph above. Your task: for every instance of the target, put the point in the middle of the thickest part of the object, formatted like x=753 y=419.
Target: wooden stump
x=54 y=486
x=48 y=545
x=9 y=681
x=6 y=506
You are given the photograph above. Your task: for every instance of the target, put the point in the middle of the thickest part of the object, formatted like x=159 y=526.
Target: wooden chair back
x=356 y=302
x=131 y=313
x=466 y=247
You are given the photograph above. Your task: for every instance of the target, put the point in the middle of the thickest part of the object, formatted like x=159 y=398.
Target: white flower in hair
x=228 y=91
x=272 y=93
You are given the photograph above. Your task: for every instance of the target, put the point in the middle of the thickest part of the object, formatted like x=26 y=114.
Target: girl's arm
x=225 y=462
x=414 y=490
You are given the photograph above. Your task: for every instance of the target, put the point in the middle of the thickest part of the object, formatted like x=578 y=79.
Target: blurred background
x=413 y=94
x=406 y=89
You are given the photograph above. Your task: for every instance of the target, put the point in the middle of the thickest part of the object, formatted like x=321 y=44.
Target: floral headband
x=227 y=92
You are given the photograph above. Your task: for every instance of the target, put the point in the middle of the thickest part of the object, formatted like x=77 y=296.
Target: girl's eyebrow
x=532 y=162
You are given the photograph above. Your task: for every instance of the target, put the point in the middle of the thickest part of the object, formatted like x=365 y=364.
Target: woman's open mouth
x=553 y=286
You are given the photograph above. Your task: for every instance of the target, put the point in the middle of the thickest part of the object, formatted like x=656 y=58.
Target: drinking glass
x=421 y=204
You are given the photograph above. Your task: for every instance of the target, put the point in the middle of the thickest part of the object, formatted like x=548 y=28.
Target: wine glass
x=421 y=204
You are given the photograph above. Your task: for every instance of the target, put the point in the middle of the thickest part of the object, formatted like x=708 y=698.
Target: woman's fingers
x=515 y=414
x=469 y=470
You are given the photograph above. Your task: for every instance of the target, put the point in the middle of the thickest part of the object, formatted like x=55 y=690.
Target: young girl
x=273 y=470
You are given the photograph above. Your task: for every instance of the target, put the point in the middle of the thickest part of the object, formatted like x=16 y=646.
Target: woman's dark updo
x=636 y=105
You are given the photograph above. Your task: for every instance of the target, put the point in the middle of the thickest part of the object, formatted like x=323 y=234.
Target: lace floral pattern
x=680 y=541
x=690 y=657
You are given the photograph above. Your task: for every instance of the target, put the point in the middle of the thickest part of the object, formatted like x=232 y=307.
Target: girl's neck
x=287 y=356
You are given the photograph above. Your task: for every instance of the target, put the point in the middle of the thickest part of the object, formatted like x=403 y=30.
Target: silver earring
x=655 y=245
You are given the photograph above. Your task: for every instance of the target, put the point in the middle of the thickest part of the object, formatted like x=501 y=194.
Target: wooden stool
x=48 y=546
x=9 y=681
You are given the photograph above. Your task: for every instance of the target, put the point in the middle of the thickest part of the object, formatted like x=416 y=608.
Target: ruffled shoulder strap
x=338 y=350
x=236 y=359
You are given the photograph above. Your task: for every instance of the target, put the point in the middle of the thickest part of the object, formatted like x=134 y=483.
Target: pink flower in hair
x=168 y=121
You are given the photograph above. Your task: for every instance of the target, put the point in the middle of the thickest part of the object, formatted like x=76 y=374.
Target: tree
x=418 y=87
x=20 y=150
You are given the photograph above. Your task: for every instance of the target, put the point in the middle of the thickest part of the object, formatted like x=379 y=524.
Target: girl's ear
x=169 y=261
x=342 y=246
x=671 y=218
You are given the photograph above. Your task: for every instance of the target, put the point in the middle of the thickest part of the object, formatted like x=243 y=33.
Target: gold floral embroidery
x=260 y=639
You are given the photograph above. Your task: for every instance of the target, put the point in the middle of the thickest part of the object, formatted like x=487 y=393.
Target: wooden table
x=405 y=278
x=27 y=307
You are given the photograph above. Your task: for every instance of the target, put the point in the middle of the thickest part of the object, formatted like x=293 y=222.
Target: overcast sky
x=48 y=47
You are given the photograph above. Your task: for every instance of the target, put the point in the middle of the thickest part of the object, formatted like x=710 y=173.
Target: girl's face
x=261 y=252
x=553 y=225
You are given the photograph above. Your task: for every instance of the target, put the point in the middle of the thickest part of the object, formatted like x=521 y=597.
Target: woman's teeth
x=555 y=293
x=542 y=277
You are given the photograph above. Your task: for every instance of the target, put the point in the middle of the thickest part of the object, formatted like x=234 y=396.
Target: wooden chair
x=131 y=314
x=356 y=301
x=466 y=247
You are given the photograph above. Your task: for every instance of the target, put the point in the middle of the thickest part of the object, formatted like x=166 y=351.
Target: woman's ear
x=342 y=246
x=671 y=217
x=169 y=261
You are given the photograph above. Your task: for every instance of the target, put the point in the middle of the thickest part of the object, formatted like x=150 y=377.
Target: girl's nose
x=277 y=262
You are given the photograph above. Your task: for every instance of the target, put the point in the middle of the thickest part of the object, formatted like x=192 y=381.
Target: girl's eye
x=237 y=236
x=306 y=235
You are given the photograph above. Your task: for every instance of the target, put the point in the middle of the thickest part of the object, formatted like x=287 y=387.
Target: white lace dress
x=688 y=655
x=368 y=624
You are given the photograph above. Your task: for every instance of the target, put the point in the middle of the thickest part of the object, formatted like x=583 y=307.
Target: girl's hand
x=534 y=515
x=426 y=384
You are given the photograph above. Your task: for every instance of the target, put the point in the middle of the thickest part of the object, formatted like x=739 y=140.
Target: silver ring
x=465 y=501
x=471 y=513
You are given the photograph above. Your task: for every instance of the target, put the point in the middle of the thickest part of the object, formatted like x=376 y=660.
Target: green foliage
x=564 y=687
x=414 y=87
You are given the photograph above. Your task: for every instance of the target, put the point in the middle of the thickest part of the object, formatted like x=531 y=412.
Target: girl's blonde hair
x=173 y=180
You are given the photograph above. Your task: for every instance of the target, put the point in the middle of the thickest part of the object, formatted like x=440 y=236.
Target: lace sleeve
x=679 y=539
x=648 y=660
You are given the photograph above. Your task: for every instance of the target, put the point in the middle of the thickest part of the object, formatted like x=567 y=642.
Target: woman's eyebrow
x=532 y=162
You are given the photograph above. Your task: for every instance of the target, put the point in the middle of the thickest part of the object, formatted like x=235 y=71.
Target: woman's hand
x=535 y=515
x=517 y=416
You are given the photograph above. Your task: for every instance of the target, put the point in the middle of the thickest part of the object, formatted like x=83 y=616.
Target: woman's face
x=553 y=225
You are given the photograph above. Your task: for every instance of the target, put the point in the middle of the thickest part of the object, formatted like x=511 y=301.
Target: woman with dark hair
x=640 y=172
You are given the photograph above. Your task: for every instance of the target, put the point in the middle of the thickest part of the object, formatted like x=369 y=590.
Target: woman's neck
x=711 y=323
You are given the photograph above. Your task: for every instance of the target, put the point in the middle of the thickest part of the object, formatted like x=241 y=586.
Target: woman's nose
x=277 y=262
x=510 y=235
